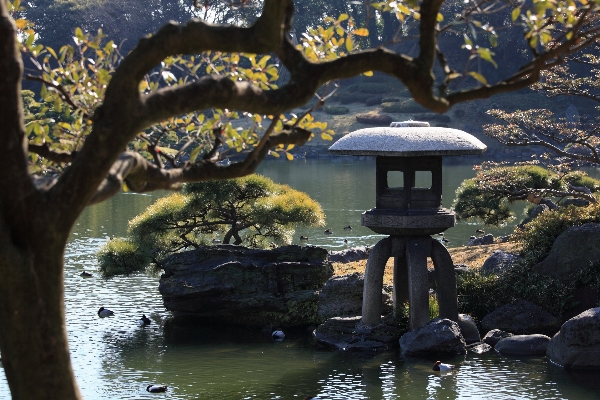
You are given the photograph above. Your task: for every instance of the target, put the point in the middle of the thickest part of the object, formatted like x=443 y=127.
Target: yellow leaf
x=515 y=13
x=417 y=15
x=21 y=23
x=479 y=77
x=289 y=156
x=339 y=30
x=368 y=73
x=440 y=17
x=349 y=43
x=361 y=32
x=326 y=136
x=342 y=17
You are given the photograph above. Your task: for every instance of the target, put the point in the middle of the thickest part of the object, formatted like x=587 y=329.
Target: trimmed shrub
x=539 y=235
x=122 y=257
x=374 y=101
x=404 y=106
x=355 y=97
x=374 y=119
x=433 y=117
x=374 y=88
x=336 y=110
x=353 y=88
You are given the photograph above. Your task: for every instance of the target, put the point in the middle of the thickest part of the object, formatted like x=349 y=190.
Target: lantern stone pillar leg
x=401 y=294
x=445 y=278
x=417 y=251
x=372 y=302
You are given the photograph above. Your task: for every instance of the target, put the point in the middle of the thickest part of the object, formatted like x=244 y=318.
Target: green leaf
x=486 y=54
x=515 y=13
x=479 y=77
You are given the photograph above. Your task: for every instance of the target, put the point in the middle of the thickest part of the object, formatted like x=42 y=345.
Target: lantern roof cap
x=408 y=141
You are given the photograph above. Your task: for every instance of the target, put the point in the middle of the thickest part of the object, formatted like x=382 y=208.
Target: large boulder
x=494 y=336
x=439 y=336
x=468 y=328
x=499 y=262
x=252 y=287
x=577 y=344
x=342 y=296
x=523 y=345
x=572 y=250
x=521 y=317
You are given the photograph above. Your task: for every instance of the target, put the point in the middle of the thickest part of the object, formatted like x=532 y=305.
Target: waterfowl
x=156 y=388
x=328 y=231
x=440 y=366
x=103 y=312
x=85 y=274
x=144 y=320
x=348 y=228
x=303 y=237
x=445 y=240
x=215 y=241
x=473 y=237
x=345 y=241
x=278 y=335
x=479 y=231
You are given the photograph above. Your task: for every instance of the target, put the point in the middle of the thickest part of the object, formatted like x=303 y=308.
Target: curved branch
x=141 y=175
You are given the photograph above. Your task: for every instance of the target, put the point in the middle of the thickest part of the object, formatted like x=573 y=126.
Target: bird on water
x=156 y=388
x=440 y=366
x=103 y=312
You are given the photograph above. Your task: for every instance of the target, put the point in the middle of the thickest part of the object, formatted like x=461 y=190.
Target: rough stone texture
x=540 y=209
x=494 y=336
x=499 y=262
x=577 y=344
x=348 y=333
x=486 y=239
x=252 y=287
x=468 y=328
x=409 y=141
x=525 y=345
x=521 y=317
x=343 y=296
x=572 y=250
x=439 y=336
x=374 y=119
x=349 y=255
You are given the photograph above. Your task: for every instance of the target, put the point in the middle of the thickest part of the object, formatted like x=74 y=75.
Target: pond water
x=115 y=358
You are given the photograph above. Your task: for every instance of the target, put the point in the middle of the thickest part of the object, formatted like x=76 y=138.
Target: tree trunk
x=33 y=336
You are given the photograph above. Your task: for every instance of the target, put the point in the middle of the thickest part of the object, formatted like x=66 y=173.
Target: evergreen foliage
x=252 y=210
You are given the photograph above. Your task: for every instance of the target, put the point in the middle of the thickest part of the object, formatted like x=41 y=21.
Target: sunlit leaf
x=479 y=77
x=361 y=32
x=515 y=13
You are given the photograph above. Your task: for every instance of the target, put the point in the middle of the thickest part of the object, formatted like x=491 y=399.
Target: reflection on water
x=115 y=358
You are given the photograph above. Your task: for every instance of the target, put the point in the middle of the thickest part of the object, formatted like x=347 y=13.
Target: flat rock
x=252 y=287
x=523 y=345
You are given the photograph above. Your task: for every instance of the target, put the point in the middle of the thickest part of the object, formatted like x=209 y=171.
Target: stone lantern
x=409 y=214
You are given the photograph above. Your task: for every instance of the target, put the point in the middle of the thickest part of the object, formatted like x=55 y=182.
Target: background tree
x=565 y=143
x=496 y=187
x=90 y=158
x=252 y=210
